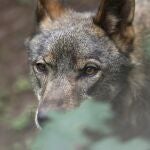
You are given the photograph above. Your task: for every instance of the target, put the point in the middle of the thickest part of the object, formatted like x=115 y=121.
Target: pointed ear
x=48 y=8
x=116 y=18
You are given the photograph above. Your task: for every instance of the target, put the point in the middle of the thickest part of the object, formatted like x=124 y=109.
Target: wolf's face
x=74 y=57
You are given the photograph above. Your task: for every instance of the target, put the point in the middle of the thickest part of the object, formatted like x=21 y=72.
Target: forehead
x=75 y=33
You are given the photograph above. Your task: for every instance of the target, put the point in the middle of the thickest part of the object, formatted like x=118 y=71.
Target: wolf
x=75 y=56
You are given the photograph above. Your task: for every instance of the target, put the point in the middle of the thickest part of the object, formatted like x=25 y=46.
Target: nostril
x=42 y=118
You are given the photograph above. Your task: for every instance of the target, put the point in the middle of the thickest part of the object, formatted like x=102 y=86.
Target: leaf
x=115 y=144
x=66 y=130
x=74 y=130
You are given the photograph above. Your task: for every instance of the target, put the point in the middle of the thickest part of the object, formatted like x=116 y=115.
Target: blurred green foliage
x=85 y=128
x=19 y=146
x=114 y=144
x=22 y=84
x=21 y=122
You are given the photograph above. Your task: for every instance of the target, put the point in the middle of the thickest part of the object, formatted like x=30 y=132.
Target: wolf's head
x=75 y=56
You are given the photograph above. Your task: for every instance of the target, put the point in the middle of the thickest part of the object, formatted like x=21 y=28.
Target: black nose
x=42 y=118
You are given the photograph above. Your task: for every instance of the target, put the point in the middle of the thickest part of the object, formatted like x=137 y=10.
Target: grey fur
x=121 y=80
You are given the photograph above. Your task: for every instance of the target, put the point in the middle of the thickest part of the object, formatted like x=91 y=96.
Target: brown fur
x=53 y=9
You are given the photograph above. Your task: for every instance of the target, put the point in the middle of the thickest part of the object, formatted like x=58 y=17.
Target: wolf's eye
x=42 y=68
x=91 y=69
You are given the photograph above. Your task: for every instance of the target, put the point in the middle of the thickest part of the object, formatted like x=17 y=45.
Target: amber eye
x=91 y=69
x=41 y=67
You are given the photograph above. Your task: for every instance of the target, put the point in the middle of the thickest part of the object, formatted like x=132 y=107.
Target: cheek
x=113 y=91
x=36 y=120
x=87 y=83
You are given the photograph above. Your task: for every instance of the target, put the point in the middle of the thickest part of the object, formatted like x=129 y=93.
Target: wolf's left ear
x=51 y=9
x=116 y=18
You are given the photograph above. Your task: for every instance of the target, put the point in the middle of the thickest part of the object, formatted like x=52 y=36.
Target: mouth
x=36 y=120
x=41 y=118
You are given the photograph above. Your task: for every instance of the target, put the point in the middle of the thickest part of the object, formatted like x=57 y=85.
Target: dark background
x=17 y=101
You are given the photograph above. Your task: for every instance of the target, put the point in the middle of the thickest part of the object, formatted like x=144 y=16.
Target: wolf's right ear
x=51 y=9
x=115 y=17
x=112 y=15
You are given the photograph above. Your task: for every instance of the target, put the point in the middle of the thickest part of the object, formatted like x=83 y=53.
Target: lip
x=36 y=120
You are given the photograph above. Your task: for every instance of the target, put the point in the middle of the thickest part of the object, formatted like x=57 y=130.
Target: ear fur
x=116 y=18
x=48 y=8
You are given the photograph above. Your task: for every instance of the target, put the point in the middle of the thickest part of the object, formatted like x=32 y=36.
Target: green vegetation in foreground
x=74 y=131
